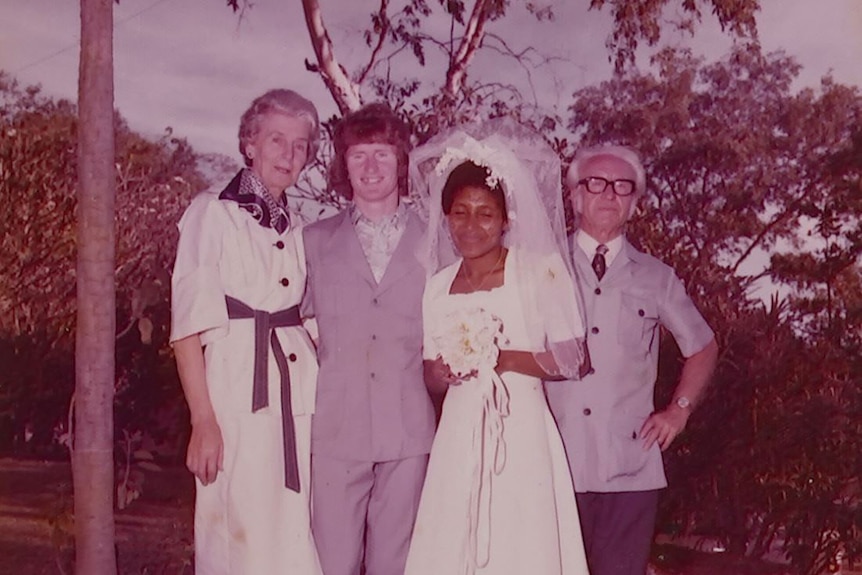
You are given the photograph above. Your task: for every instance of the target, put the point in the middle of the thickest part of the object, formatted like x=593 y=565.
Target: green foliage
x=748 y=180
x=155 y=180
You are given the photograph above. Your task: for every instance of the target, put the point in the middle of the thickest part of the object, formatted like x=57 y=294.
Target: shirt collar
x=589 y=244
x=396 y=219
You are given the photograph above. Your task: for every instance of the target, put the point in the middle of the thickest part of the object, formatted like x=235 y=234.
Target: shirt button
x=595 y=330
x=373 y=375
x=587 y=411
x=374 y=301
x=285 y=282
x=598 y=291
x=634 y=434
x=641 y=312
x=279 y=244
x=374 y=337
x=292 y=357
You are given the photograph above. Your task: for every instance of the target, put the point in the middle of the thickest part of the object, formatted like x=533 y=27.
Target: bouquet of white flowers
x=470 y=341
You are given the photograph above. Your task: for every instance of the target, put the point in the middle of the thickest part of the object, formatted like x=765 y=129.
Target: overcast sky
x=194 y=65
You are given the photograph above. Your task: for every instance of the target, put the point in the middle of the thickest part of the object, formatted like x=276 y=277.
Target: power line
x=77 y=43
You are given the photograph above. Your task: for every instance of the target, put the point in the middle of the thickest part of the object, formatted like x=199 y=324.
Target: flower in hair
x=495 y=160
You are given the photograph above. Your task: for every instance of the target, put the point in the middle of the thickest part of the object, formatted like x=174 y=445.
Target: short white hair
x=279 y=100
x=624 y=153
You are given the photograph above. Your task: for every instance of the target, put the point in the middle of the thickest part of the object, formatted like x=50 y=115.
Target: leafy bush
x=155 y=180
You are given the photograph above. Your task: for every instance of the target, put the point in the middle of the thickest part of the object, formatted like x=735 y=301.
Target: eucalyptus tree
x=404 y=27
x=420 y=55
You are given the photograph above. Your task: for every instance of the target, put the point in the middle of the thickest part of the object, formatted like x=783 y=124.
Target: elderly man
x=613 y=434
x=374 y=422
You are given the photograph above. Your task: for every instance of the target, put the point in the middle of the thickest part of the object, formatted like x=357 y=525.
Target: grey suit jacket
x=600 y=417
x=372 y=404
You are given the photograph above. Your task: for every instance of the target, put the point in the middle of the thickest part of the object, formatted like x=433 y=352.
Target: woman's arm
x=523 y=362
x=205 y=455
x=575 y=356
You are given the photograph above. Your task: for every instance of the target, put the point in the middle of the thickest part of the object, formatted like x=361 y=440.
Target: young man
x=374 y=422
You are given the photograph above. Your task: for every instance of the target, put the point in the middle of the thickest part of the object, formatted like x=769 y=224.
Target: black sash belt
x=264 y=324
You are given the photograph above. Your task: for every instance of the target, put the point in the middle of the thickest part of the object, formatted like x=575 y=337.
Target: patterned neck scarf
x=248 y=191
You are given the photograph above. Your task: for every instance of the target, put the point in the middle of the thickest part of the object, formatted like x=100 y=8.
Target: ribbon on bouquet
x=489 y=446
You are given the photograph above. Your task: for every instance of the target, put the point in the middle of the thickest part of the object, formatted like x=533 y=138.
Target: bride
x=500 y=316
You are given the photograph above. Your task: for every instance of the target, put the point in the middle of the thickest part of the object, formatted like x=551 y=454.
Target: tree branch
x=381 y=37
x=778 y=219
x=474 y=32
x=343 y=91
x=522 y=59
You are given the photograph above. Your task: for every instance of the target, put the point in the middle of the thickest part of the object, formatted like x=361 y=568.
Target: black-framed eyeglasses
x=598 y=185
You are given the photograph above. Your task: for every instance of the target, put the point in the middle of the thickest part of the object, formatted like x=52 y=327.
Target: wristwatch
x=683 y=402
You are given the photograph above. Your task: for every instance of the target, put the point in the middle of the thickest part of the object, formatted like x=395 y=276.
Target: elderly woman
x=246 y=364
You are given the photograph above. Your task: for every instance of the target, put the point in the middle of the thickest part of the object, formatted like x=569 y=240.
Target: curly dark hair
x=371 y=124
x=468 y=174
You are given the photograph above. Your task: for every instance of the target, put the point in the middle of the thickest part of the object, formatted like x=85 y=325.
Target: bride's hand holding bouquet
x=469 y=345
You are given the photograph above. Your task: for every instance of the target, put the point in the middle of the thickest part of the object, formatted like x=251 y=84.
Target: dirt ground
x=154 y=534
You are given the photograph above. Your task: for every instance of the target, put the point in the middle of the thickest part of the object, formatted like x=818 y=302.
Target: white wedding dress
x=524 y=519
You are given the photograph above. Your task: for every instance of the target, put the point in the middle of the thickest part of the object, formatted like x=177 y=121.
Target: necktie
x=599 y=265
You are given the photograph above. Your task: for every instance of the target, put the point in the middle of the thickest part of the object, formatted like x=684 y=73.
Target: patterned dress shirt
x=379 y=239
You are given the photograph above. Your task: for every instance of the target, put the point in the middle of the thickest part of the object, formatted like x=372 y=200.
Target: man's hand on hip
x=663 y=426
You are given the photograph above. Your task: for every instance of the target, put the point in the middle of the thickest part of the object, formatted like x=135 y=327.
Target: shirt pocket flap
x=626 y=455
x=638 y=319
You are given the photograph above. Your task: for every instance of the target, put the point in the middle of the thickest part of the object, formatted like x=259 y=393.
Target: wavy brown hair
x=372 y=124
